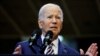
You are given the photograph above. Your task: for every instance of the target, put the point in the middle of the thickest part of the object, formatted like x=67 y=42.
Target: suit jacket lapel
x=37 y=46
x=39 y=42
x=61 y=48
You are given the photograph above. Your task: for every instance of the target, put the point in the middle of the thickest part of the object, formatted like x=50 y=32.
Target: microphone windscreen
x=49 y=33
x=37 y=31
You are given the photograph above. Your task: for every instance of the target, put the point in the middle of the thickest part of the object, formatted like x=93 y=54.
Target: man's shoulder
x=69 y=50
x=26 y=42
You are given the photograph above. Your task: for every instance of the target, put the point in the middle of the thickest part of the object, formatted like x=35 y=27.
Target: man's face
x=51 y=21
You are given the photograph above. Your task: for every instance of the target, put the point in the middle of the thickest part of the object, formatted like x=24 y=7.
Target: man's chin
x=55 y=32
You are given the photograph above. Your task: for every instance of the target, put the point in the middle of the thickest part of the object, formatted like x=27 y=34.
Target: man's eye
x=58 y=17
x=49 y=16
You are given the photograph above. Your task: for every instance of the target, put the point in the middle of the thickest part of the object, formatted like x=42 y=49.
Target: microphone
x=48 y=38
x=35 y=35
x=47 y=41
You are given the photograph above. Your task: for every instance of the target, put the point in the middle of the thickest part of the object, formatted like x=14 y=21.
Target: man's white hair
x=42 y=10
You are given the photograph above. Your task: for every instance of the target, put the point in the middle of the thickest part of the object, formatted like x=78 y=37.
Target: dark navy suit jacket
x=36 y=48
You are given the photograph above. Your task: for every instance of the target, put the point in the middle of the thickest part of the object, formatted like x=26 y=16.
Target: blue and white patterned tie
x=50 y=50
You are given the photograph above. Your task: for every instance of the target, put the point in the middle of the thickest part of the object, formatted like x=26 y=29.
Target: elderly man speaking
x=50 y=18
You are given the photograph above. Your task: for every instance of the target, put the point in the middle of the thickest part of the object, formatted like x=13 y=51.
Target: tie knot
x=51 y=45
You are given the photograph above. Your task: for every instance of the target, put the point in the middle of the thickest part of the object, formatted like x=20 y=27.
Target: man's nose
x=54 y=20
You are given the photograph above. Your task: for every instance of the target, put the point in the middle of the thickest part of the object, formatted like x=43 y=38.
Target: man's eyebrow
x=49 y=15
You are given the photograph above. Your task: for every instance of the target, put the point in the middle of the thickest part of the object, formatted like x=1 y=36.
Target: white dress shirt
x=55 y=45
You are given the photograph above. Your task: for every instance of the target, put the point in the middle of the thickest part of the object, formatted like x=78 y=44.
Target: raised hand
x=17 y=50
x=92 y=50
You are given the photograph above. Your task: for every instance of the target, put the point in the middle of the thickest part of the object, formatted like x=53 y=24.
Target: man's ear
x=40 y=23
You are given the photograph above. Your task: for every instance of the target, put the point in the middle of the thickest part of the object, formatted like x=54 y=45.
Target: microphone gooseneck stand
x=47 y=41
x=33 y=40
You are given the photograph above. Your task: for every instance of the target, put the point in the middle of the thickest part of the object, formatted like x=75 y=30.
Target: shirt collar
x=42 y=37
x=55 y=42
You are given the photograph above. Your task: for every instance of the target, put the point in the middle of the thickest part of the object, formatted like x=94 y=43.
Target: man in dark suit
x=50 y=17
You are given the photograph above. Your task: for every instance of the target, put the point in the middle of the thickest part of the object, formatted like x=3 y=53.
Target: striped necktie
x=50 y=50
